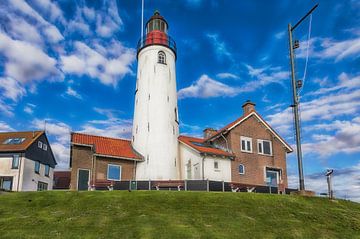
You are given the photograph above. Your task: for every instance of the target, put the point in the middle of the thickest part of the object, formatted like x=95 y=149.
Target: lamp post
x=328 y=174
x=296 y=100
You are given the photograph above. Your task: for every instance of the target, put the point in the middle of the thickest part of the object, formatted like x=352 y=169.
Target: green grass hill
x=165 y=214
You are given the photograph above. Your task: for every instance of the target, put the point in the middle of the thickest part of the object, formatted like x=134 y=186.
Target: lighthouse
x=156 y=122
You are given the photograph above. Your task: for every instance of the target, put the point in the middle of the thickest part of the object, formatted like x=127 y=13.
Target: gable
x=33 y=152
x=241 y=120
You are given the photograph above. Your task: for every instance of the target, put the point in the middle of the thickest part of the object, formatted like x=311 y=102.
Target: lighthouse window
x=161 y=57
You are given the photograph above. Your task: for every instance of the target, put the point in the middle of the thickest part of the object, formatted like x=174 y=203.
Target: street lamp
x=296 y=100
x=328 y=174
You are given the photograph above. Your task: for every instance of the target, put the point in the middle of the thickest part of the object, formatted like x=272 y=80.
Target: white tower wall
x=155 y=127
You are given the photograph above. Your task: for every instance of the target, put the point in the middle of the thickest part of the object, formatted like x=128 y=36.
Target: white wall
x=5 y=169
x=158 y=143
x=30 y=178
x=223 y=173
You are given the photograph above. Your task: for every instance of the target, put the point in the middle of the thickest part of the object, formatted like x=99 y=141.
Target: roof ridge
x=100 y=136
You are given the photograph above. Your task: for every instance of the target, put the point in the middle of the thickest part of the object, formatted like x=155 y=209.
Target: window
x=37 y=167
x=264 y=147
x=40 y=144
x=47 y=170
x=241 y=169
x=246 y=144
x=15 y=162
x=272 y=177
x=42 y=186
x=44 y=147
x=14 y=141
x=114 y=172
x=161 y=57
x=176 y=116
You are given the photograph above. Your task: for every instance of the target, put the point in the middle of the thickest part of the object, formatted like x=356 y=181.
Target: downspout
x=134 y=170
x=203 y=169
x=19 y=172
x=92 y=186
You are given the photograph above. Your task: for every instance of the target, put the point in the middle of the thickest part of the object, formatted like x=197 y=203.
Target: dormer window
x=161 y=57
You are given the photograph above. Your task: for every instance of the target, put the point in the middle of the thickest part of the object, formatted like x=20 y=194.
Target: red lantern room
x=156 y=34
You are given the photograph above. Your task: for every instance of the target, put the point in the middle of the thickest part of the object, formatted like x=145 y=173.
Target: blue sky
x=73 y=66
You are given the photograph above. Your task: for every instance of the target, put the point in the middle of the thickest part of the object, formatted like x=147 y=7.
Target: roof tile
x=203 y=149
x=106 y=146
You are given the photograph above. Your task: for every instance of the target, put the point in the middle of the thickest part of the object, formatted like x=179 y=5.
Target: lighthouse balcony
x=156 y=39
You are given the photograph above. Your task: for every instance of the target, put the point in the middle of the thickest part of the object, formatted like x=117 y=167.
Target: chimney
x=208 y=132
x=248 y=106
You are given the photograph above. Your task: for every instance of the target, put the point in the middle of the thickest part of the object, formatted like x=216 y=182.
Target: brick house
x=97 y=161
x=246 y=153
x=260 y=153
x=26 y=161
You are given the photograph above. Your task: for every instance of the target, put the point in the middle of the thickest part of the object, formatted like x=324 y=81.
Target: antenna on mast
x=142 y=18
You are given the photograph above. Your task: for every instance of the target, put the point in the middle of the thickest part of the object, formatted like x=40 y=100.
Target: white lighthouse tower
x=156 y=125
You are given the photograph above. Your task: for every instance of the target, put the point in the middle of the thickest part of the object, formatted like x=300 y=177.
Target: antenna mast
x=296 y=100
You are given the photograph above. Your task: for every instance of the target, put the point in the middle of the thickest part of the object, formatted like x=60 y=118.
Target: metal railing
x=156 y=40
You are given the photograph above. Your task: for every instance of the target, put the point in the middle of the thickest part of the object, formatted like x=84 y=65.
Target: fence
x=189 y=185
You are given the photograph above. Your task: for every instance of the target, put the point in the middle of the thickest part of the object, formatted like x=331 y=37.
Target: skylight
x=14 y=141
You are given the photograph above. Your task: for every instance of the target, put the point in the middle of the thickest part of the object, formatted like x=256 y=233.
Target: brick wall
x=127 y=168
x=82 y=158
x=255 y=163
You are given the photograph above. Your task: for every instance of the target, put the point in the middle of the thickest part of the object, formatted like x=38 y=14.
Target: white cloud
x=109 y=66
x=71 y=92
x=29 y=108
x=328 y=48
x=226 y=75
x=26 y=62
x=345 y=140
x=219 y=47
x=20 y=29
x=109 y=22
x=6 y=108
x=11 y=88
x=205 y=87
x=51 y=9
x=280 y=35
x=4 y=127
x=53 y=34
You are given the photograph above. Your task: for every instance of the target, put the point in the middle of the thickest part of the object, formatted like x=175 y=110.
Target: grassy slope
x=162 y=214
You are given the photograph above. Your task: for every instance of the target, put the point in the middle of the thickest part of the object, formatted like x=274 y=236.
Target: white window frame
x=278 y=174
x=246 y=139
x=243 y=169
x=40 y=144
x=261 y=142
x=44 y=147
x=107 y=174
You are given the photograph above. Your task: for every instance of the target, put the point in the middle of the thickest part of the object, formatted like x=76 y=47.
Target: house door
x=6 y=183
x=197 y=171
x=272 y=177
x=83 y=179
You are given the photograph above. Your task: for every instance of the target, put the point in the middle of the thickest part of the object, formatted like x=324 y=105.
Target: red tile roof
x=30 y=137
x=106 y=146
x=203 y=149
